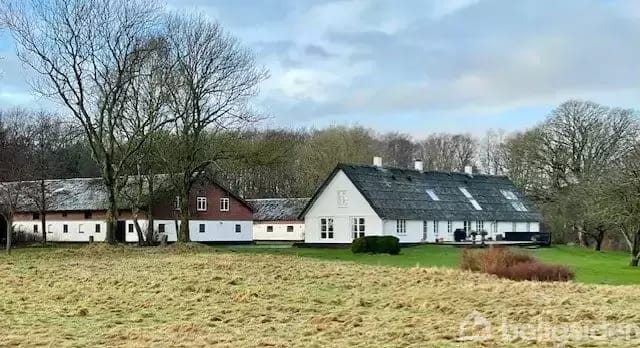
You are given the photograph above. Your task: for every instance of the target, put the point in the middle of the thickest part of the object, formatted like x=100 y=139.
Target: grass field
x=590 y=266
x=100 y=296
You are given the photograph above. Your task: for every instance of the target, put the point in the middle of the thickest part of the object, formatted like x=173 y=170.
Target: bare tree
x=86 y=54
x=447 y=152
x=212 y=80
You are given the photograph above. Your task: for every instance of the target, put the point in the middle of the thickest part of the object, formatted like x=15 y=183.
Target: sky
x=419 y=66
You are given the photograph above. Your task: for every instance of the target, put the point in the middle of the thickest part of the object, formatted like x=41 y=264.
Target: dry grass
x=98 y=296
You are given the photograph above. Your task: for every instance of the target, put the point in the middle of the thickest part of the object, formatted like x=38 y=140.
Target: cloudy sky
x=421 y=66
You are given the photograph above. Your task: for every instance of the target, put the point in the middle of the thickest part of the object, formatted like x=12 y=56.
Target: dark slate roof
x=82 y=194
x=277 y=209
x=396 y=193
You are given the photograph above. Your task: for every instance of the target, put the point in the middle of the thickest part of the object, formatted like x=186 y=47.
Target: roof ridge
x=341 y=165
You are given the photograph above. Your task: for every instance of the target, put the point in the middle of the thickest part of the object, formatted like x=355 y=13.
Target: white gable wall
x=327 y=205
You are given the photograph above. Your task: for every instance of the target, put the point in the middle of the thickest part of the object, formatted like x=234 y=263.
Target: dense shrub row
x=376 y=245
x=515 y=266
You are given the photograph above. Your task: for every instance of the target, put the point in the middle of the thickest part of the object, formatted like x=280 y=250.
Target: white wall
x=413 y=230
x=326 y=205
x=221 y=231
x=279 y=231
x=55 y=230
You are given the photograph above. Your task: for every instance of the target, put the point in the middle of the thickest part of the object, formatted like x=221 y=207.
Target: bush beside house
x=376 y=245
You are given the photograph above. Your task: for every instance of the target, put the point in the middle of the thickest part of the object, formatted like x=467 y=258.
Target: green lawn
x=590 y=266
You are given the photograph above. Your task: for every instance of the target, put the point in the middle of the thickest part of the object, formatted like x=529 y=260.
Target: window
x=449 y=227
x=435 y=227
x=238 y=228
x=87 y=215
x=289 y=228
x=467 y=226
x=401 y=227
x=161 y=228
x=425 y=225
x=98 y=227
x=518 y=206
x=465 y=192
x=357 y=227
x=224 y=204
x=514 y=227
x=130 y=228
x=472 y=200
x=176 y=203
x=50 y=229
x=326 y=228
x=35 y=228
x=509 y=195
x=494 y=227
x=475 y=204
x=80 y=229
x=36 y=216
x=479 y=226
x=269 y=228
x=433 y=195
x=343 y=200
x=202 y=228
x=65 y=228
x=201 y=204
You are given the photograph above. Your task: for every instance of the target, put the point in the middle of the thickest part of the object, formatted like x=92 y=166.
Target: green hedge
x=376 y=245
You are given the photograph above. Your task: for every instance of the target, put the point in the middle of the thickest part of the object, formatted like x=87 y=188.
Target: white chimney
x=468 y=170
x=377 y=161
x=418 y=165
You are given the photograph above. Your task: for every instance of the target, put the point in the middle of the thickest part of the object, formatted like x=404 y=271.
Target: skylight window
x=518 y=206
x=509 y=195
x=433 y=195
x=475 y=204
x=465 y=192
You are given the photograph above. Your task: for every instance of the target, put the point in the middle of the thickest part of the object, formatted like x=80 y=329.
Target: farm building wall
x=278 y=230
x=341 y=201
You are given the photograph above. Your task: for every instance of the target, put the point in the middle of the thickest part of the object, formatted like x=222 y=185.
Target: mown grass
x=590 y=266
x=195 y=296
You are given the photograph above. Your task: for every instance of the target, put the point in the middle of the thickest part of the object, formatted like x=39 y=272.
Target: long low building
x=77 y=210
x=414 y=205
x=277 y=219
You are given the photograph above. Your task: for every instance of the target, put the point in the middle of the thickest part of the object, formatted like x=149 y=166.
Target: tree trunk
x=634 y=261
x=150 y=220
x=9 y=233
x=43 y=212
x=598 y=245
x=582 y=239
x=112 y=217
x=183 y=233
x=136 y=224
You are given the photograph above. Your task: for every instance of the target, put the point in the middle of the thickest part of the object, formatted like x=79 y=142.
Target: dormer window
x=518 y=206
x=509 y=195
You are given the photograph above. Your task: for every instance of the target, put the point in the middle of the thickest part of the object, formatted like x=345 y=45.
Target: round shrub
x=376 y=245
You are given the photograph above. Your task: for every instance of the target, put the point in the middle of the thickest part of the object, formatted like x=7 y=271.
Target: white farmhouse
x=415 y=206
x=276 y=219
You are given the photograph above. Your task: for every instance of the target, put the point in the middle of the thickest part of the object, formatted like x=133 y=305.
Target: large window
x=357 y=227
x=326 y=228
x=201 y=203
x=467 y=226
x=479 y=225
x=401 y=227
x=224 y=204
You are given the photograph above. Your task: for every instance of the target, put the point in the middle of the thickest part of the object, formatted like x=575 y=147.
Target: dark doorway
x=3 y=231
x=120 y=232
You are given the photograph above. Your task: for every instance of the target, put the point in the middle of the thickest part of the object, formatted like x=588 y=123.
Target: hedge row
x=376 y=245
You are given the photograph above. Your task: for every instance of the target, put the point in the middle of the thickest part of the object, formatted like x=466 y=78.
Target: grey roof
x=277 y=209
x=396 y=193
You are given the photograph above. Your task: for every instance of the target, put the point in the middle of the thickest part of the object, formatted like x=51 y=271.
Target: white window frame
x=327 y=228
x=290 y=228
x=425 y=228
x=467 y=226
x=479 y=225
x=401 y=227
x=269 y=228
x=164 y=228
x=449 y=227
x=343 y=199
x=201 y=203
x=358 y=227
x=50 y=228
x=475 y=204
x=436 y=230
x=130 y=228
x=432 y=194
x=176 y=203
x=224 y=204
